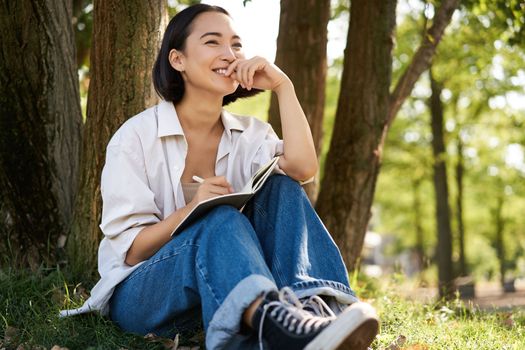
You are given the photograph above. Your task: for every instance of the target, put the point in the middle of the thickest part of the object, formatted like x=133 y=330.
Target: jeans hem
x=226 y=322
x=341 y=292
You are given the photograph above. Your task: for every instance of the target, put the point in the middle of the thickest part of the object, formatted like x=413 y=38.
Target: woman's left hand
x=256 y=72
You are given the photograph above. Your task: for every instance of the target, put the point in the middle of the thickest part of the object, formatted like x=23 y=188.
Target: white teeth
x=220 y=71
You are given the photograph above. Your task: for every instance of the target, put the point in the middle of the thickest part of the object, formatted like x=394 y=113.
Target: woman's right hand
x=211 y=187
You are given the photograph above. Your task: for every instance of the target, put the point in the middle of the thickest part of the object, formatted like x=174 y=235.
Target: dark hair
x=168 y=81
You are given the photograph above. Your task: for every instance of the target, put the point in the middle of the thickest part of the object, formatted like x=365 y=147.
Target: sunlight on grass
x=29 y=304
x=438 y=324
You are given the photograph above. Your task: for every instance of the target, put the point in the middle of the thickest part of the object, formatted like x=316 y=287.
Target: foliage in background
x=488 y=34
x=480 y=71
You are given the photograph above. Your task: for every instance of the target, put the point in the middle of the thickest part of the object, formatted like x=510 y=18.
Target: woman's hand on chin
x=257 y=73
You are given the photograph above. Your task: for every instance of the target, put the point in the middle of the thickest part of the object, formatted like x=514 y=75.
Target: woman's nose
x=228 y=54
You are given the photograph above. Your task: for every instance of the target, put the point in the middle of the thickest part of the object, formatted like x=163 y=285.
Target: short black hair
x=168 y=81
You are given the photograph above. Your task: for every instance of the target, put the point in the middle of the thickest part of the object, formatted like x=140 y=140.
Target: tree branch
x=422 y=58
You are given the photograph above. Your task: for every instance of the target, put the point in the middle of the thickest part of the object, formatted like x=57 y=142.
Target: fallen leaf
x=10 y=334
x=58 y=347
x=150 y=336
x=167 y=343
x=81 y=292
x=507 y=320
x=398 y=343
x=417 y=347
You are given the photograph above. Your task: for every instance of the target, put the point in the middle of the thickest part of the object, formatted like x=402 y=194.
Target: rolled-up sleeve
x=269 y=147
x=128 y=204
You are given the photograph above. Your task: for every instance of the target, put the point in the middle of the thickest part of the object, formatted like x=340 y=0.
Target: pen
x=198 y=179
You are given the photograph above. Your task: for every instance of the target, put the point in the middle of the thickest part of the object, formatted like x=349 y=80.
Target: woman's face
x=210 y=48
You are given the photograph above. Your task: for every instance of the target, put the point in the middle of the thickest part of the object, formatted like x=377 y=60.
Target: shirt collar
x=169 y=123
x=230 y=123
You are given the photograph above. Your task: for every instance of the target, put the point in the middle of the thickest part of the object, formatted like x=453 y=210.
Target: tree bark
x=301 y=53
x=126 y=40
x=444 y=232
x=40 y=129
x=353 y=161
x=420 y=251
x=500 y=247
x=423 y=56
x=363 y=117
x=460 y=170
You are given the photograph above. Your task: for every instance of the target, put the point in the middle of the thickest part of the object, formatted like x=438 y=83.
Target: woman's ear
x=176 y=60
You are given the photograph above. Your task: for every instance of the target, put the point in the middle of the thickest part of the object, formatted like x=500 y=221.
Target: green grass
x=29 y=305
x=448 y=325
x=441 y=324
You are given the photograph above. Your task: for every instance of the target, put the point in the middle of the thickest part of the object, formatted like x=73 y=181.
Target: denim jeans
x=218 y=266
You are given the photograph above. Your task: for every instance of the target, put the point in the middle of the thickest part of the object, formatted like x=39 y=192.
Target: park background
x=419 y=128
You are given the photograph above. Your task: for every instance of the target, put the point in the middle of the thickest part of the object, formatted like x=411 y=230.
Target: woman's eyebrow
x=219 y=35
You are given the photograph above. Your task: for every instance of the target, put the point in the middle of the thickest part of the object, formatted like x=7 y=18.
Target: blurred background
x=417 y=109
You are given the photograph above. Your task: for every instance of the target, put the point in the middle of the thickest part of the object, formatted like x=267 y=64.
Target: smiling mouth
x=220 y=71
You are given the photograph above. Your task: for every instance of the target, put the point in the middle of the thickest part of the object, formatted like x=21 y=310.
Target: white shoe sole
x=354 y=329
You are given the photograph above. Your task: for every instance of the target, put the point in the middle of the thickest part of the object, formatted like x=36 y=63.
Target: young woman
x=270 y=276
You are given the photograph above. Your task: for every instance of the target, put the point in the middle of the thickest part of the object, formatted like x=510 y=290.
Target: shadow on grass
x=29 y=308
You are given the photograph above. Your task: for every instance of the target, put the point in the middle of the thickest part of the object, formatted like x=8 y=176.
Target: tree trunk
x=364 y=115
x=301 y=53
x=40 y=129
x=459 y=203
x=420 y=251
x=500 y=247
x=126 y=40
x=444 y=232
x=353 y=161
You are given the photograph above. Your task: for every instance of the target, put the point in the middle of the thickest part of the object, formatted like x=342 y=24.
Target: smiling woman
x=253 y=278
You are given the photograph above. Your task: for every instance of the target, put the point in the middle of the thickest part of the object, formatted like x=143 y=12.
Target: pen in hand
x=201 y=180
x=198 y=179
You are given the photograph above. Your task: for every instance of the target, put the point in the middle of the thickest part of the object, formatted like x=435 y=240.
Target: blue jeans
x=219 y=265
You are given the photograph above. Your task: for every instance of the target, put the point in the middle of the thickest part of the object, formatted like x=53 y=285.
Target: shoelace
x=289 y=309
x=318 y=306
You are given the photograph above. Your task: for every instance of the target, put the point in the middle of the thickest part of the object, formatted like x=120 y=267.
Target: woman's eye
x=214 y=42
x=237 y=45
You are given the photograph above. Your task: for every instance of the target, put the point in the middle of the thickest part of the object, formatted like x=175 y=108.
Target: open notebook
x=237 y=199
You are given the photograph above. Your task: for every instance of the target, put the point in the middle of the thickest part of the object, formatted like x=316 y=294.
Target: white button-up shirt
x=141 y=185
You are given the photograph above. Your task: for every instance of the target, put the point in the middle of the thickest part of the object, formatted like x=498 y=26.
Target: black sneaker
x=284 y=324
x=318 y=306
x=323 y=305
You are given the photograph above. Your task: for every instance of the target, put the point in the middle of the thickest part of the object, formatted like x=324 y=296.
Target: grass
x=440 y=324
x=29 y=305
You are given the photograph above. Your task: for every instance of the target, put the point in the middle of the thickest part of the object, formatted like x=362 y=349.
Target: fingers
x=244 y=70
x=231 y=69
x=218 y=190
x=251 y=73
x=217 y=184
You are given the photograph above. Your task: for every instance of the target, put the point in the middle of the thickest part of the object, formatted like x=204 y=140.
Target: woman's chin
x=232 y=89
